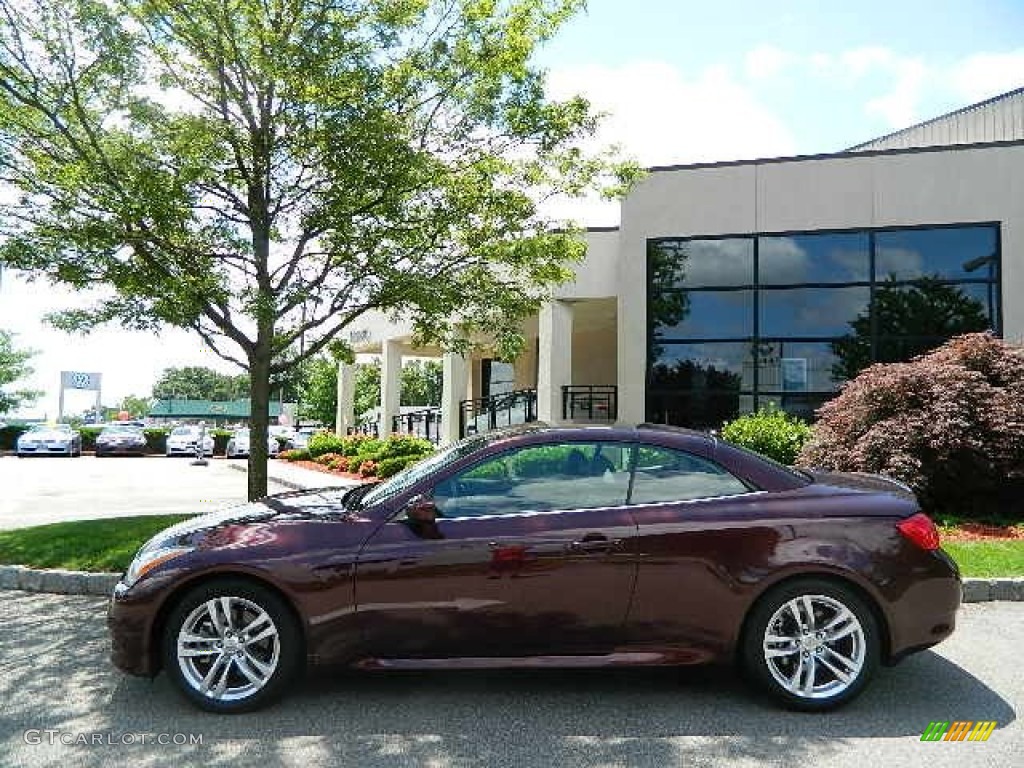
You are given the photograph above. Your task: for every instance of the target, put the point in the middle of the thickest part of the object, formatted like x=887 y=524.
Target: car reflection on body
x=183 y=441
x=238 y=445
x=545 y=546
x=121 y=439
x=47 y=440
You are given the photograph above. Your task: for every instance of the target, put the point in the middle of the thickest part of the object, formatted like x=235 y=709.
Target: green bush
x=156 y=439
x=368 y=448
x=770 y=432
x=9 y=435
x=404 y=445
x=388 y=467
x=295 y=454
x=89 y=435
x=325 y=442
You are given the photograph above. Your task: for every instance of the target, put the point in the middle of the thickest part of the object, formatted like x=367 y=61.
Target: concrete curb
x=82 y=583
x=289 y=484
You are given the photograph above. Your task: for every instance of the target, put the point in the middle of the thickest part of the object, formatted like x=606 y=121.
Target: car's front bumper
x=121 y=448
x=45 y=450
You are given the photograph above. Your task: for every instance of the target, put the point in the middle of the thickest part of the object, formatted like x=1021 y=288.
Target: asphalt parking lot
x=50 y=489
x=54 y=677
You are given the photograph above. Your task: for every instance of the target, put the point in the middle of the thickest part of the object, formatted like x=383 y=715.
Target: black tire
x=290 y=652
x=824 y=595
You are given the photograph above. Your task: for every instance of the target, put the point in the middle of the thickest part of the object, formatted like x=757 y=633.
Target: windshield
x=412 y=475
x=120 y=429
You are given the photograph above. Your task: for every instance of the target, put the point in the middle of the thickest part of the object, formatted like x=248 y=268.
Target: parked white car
x=46 y=440
x=183 y=440
x=238 y=445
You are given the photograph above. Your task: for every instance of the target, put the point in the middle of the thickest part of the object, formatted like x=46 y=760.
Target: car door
x=532 y=552
x=696 y=541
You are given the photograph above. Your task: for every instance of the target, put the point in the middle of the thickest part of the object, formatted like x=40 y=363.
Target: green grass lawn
x=988 y=558
x=82 y=545
x=110 y=544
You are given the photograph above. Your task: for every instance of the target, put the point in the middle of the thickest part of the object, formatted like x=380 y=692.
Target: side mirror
x=421 y=509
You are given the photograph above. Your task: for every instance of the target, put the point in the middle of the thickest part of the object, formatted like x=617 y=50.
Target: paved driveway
x=51 y=489
x=54 y=676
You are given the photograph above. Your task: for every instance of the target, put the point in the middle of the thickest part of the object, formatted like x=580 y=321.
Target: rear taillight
x=920 y=530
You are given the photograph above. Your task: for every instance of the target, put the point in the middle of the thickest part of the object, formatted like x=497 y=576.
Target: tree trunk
x=259 y=420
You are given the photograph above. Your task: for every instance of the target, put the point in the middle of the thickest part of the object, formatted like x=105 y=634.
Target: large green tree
x=265 y=172
x=199 y=383
x=13 y=367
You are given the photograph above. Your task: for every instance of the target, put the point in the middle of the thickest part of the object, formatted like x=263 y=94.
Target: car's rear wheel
x=812 y=644
x=231 y=646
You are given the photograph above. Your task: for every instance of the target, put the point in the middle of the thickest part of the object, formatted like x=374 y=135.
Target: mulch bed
x=321 y=468
x=982 y=532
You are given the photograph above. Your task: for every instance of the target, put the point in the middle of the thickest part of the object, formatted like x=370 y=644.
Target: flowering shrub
x=949 y=423
x=339 y=464
x=368 y=468
x=328 y=458
x=771 y=432
x=296 y=454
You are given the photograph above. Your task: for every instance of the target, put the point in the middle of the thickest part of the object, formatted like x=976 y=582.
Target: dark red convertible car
x=544 y=547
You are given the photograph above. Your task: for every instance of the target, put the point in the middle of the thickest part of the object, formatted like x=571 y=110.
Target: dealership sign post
x=79 y=380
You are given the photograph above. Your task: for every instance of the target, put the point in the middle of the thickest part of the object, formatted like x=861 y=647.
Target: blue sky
x=682 y=82
x=832 y=74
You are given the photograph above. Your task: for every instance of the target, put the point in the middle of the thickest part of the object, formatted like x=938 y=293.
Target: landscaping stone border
x=82 y=583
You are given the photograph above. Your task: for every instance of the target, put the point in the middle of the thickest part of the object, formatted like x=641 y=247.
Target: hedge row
x=364 y=455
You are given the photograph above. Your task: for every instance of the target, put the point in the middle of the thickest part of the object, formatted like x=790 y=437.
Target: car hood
x=862 y=481
x=48 y=434
x=242 y=525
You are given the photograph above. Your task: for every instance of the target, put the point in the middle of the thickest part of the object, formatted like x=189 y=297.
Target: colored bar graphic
x=935 y=731
x=982 y=730
x=958 y=730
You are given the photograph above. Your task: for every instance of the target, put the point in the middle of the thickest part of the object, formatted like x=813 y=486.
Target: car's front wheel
x=813 y=644
x=231 y=646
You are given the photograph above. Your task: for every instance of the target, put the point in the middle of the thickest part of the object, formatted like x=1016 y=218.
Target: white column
x=554 y=369
x=454 y=376
x=346 y=413
x=390 y=384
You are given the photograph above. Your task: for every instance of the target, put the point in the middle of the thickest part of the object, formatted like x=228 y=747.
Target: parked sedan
x=543 y=546
x=238 y=445
x=121 y=439
x=183 y=441
x=46 y=440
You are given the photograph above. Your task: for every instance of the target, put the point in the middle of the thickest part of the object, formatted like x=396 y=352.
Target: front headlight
x=145 y=561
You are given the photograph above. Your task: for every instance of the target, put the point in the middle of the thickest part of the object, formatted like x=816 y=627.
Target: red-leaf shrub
x=368 y=468
x=949 y=423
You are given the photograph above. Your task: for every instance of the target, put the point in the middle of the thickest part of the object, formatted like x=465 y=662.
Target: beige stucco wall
x=934 y=187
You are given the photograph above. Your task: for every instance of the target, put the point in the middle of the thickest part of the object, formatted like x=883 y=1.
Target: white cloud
x=899 y=107
x=985 y=75
x=659 y=116
x=129 y=361
x=766 y=61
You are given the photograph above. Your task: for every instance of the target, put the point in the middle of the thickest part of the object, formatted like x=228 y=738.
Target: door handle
x=595 y=543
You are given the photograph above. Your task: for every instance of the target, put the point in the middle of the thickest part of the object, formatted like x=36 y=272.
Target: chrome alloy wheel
x=814 y=647
x=228 y=648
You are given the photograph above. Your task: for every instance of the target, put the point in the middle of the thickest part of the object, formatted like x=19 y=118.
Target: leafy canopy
x=14 y=366
x=265 y=172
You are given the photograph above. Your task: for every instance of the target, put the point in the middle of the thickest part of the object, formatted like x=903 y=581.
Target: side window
x=539 y=478
x=663 y=474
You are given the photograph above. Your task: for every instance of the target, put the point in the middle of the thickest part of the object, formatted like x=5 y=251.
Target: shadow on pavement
x=54 y=674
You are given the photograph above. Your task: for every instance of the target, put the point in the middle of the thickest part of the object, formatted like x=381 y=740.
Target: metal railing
x=590 y=402
x=369 y=427
x=425 y=424
x=486 y=413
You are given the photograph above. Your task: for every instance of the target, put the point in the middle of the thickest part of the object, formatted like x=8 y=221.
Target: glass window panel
x=704 y=315
x=539 y=478
x=696 y=409
x=825 y=258
x=931 y=308
x=946 y=252
x=693 y=263
x=714 y=365
x=663 y=474
x=786 y=366
x=812 y=311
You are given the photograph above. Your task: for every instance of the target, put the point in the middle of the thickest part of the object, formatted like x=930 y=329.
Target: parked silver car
x=238 y=445
x=49 y=440
x=183 y=441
